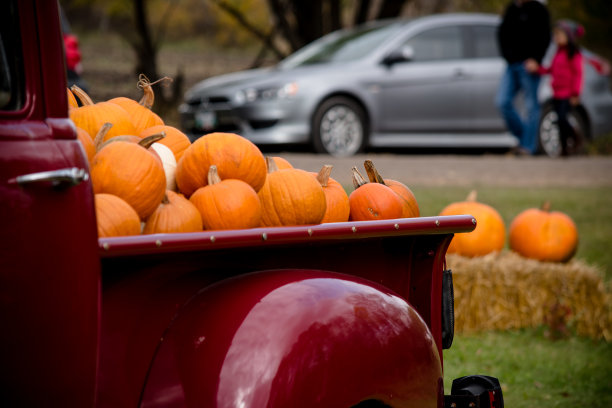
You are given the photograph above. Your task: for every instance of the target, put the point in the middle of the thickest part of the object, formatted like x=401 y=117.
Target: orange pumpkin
x=140 y=112
x=227 y=204
x=72 y=102
x=489 y=234
x=92 y=116
x=544 y=235
x=115 y=217
x=373 y=201
x=410 y=205
x=281 y=163
x=235 y=157
x=131 y=172
x=336 y=199
x=176 y=140
x=174 y=214
x=291 y=197
x=87 y=142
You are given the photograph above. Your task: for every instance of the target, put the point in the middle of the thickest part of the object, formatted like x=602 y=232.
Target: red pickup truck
x=334 y=315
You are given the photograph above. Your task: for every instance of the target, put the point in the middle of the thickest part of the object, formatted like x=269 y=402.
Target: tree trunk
x=390 y=9
x=361 y=14
x=146 y=52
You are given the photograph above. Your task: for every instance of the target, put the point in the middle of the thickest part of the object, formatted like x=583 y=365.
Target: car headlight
x=266 y=94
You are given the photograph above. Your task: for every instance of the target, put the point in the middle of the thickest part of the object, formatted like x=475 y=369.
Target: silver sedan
x=426 y=82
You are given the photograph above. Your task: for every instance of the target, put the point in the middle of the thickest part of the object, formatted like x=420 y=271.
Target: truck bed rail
x=267 y=236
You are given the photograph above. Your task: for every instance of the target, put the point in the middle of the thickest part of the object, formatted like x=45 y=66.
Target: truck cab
x=348 y=314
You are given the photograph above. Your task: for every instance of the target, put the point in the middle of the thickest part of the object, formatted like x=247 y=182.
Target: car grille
x=210 y=100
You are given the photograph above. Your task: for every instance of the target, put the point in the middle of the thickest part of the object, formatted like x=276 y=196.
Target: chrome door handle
x=62 y=177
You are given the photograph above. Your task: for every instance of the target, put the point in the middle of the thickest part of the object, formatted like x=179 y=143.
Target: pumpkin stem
x=148 y=97
x=165 y=200
x=213 y=175
x=358 y=179
x=99 y=139
x=149 y=140
x=546 y=206
x=272 y=167
x=472 y=196
x=373 y=174
x=323 y=176
x=82 y=95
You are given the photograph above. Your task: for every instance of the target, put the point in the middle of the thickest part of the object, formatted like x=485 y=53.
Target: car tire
x=339 y=127
x=549 y=137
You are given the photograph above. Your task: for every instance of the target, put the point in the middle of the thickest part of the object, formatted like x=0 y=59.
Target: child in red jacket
x=566 y=72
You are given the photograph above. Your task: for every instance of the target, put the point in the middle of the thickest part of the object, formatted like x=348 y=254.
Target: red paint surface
x=296 y=316
x=49 y=266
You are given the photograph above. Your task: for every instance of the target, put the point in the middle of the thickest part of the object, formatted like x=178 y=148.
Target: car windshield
x=342 y=46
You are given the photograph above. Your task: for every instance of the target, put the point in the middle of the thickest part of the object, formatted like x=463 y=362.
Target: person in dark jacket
x=523 y=35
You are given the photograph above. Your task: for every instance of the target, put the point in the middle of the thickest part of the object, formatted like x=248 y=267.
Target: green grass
x=535 y=371
x=590 y=208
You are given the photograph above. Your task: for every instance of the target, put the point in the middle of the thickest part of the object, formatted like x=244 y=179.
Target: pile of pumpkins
x=149 y=178
x=536 y=233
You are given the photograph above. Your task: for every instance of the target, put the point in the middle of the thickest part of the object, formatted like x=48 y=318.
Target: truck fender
x=295 y=338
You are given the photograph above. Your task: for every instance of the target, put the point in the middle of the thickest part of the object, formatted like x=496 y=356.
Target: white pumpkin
x=169 y=163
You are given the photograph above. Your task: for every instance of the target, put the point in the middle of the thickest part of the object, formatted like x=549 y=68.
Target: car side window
x=11 y=66
x=483 y=42
x=437 y=44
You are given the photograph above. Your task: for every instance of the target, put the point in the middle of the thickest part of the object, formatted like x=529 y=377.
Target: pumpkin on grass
x=174 y=214
x=226 y=204
x=409 y=202
x=115 y=217
x=336 y=199
x=131 y=172
x=176 y=140
x=489 y=234
x=373 y=201
x=544 y=235
x=235 y=157
x=92 y=116
x=291 y=197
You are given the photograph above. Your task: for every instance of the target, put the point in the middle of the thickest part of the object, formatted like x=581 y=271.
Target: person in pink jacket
x=567 y=78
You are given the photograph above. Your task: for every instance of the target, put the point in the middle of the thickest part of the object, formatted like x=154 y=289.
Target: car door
x=486 y=67
x=49 y=266
x=428 y=92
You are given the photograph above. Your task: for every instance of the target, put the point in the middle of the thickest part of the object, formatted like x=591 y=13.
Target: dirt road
x=469 y=170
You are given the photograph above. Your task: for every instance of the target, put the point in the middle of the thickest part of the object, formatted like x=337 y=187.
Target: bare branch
x=240 y=18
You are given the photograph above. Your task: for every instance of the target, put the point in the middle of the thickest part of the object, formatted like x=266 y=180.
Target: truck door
x=49 y=266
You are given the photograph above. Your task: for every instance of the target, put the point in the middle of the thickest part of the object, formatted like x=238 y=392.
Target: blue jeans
x=515 y=79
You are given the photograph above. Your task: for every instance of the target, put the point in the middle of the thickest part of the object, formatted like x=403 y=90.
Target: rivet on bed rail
x=310 y=232
x=212 y=238
x=396 y=226
x=105 y=246
x=158 y=243
x=354 y=229
x=264 y=236
x=437 y=223
x=474 y=221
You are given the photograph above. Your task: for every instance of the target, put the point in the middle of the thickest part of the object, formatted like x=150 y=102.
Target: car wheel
x=339 y=127
x=549 y=137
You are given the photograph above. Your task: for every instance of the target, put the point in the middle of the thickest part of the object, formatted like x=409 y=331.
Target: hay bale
x=503 y=291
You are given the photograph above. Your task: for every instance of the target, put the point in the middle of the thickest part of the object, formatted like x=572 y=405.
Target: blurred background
x=190 y=40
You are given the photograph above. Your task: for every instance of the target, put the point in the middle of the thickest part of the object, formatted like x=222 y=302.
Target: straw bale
x=503 y=291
